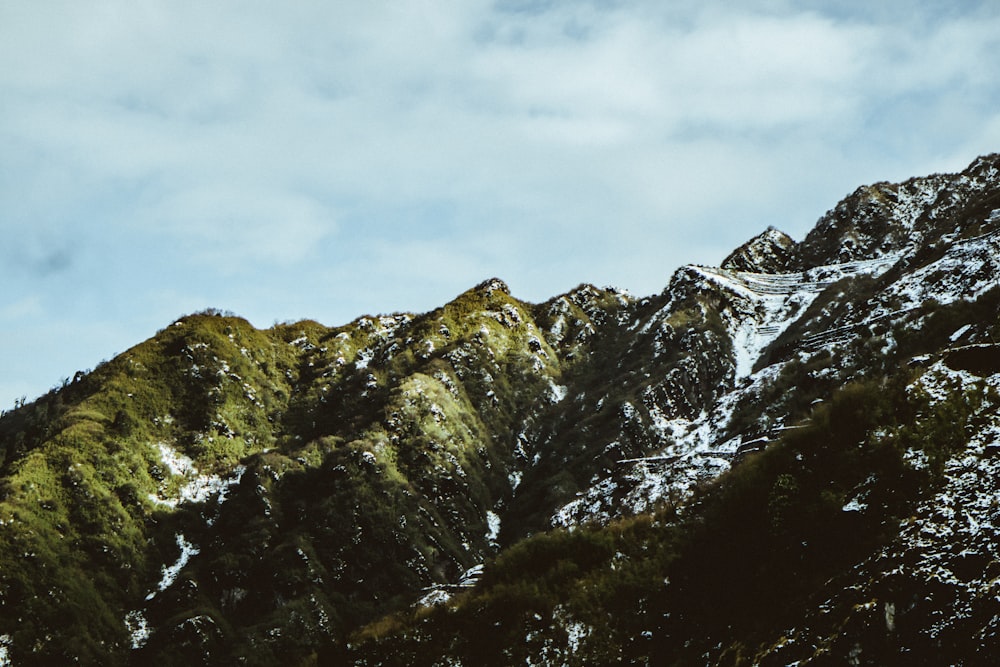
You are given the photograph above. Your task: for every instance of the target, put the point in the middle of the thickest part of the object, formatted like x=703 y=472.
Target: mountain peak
x=492 y=285
x=771 y=251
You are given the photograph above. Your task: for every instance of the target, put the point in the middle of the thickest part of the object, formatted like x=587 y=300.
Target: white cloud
x=238 y=225
x=21 y=309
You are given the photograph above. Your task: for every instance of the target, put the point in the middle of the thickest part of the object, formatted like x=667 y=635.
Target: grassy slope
x=372 y=453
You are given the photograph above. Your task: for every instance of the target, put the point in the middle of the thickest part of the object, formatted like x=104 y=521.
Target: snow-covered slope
x=776 y=318
x=899 y=283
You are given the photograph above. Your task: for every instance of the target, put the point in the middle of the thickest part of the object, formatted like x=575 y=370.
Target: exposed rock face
x=790 y=457
x=769 y=252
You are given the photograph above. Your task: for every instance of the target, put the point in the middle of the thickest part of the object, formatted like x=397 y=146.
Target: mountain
x=791 y=458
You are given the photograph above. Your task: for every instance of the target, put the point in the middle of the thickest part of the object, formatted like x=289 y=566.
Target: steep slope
x=839 y=320
x=235 y=494
x=853 y=413
x=770 y=461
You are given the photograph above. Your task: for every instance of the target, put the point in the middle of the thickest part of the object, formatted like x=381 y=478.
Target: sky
x=331 y=159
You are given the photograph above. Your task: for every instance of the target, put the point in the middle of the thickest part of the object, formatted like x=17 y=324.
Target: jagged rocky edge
x=761 y=298
x=386 y=331
x=962 y=267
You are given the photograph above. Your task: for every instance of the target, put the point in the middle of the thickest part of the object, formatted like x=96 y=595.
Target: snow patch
x=199 y=487
x=177 y=463
x=442 y=593
x=959 y=333
x=855 y=505
x=965 y=271
x=493 y=522
x=693 y=452
x=766 y=304
x=435 y=596
x=363 y=359
x=471 y=576
x=575 y=633
x=138 y=629
x=170 y=573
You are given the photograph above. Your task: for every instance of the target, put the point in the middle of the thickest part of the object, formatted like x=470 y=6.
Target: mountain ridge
x=307 y=494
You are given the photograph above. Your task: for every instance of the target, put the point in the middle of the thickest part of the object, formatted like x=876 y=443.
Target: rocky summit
x=790 y=459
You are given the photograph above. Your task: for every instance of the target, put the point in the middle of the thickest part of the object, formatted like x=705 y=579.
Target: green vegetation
x=369 y=453
x=745 y=556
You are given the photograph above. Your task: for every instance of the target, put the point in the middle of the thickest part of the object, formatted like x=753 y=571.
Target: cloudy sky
x=331 y=159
